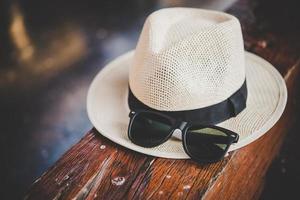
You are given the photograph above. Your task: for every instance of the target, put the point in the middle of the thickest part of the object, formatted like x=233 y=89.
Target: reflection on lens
x=207 y=143
x=149 y=129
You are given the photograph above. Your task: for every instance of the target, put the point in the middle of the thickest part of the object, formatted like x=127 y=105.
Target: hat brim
x=108 y=109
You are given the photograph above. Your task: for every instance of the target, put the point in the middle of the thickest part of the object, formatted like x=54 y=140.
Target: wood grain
x=96 y=168
x=245 y=172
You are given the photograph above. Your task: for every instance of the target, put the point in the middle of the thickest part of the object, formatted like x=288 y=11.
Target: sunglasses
x=203 y=143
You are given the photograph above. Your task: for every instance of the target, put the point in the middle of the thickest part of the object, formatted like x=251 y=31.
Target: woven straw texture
x=108 y=109
x=189 y=60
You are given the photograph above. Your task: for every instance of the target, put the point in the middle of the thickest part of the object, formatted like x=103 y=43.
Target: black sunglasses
x=203 y=143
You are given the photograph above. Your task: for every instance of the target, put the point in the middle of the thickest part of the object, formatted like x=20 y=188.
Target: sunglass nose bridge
x=177 y=133
x=182 y=125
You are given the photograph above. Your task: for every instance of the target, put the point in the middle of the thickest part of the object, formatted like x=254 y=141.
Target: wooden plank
x=97 y=168
x=93 y=167
x=173 y=179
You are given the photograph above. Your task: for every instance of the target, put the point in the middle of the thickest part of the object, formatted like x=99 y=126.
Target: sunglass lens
x=207 y=144
x=149 y=129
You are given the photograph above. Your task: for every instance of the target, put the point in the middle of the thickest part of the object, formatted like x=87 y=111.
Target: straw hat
x=187 y=59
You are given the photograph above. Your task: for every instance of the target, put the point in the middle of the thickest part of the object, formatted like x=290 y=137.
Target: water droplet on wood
x=186 y=187
x=118 y=181
x=66 y=177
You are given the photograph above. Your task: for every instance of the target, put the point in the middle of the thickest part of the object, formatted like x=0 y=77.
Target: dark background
x=49 y=53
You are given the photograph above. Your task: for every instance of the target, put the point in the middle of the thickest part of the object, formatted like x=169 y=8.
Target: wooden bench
x=98 y=168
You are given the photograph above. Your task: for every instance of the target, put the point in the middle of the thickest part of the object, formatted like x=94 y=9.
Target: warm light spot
x=19 y=34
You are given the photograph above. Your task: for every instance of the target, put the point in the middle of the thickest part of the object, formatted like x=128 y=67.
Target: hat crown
x=187 y=59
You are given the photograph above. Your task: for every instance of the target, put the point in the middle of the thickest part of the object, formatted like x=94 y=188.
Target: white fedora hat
x=187 y=59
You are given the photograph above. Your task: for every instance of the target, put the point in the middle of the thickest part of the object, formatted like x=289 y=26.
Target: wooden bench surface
x=96 y=168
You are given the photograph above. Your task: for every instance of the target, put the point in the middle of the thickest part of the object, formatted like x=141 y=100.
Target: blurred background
x=51 y=50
